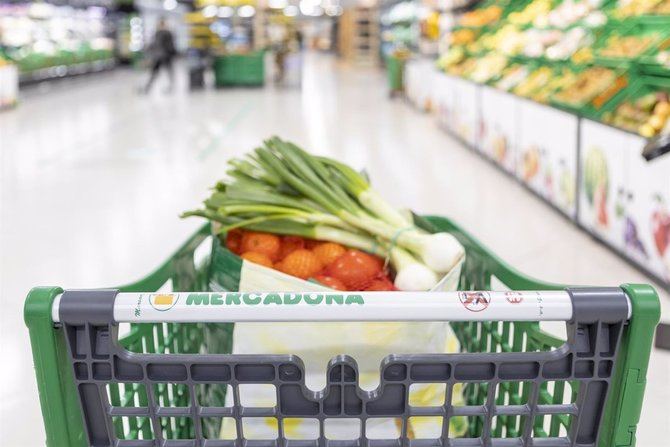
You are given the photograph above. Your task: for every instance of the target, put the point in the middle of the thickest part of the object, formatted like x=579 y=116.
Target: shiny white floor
x=94 y=176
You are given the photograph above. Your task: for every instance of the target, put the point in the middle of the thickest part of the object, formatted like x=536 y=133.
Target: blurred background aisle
x=518 y=120
x=107 y=173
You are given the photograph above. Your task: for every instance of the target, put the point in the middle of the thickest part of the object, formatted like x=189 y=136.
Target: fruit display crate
x=651 y=37
x=644 y=86
x=163 y=382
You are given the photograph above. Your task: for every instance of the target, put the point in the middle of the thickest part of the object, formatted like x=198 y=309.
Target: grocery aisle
x=109 y=171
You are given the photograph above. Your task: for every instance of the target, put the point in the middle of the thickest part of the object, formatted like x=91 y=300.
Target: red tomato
x=380 y=285
x=289 y=244
x=331 y=282
x=234 y=240
x=355 y=269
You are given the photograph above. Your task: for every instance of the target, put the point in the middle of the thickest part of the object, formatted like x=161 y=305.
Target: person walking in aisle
x=162 y=52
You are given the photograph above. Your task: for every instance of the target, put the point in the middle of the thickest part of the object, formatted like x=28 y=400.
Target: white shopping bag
x=316 y=344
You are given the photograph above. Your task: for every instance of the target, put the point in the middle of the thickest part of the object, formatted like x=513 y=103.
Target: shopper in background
x=299 y=39
x=161 y=54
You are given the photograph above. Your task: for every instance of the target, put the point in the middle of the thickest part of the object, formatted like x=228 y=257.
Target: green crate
x=63 y=417
x=240 y=69
x=591 y=107
x=640 y=87
x=650 y=65
x=395 y=67
x=630 y=27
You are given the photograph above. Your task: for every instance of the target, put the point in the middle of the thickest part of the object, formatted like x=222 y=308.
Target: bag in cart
x=317 y=343
x=164 y=381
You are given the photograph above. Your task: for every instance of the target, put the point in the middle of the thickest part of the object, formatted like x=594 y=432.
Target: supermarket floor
x=94 y=176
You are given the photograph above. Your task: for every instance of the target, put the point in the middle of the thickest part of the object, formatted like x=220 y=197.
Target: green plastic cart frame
x=65 y=422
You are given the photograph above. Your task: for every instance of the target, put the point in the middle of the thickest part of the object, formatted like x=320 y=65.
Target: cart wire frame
x=164 y=384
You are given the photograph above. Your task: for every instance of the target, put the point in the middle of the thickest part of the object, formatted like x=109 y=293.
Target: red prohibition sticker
x=514 y=297
x=475 y=301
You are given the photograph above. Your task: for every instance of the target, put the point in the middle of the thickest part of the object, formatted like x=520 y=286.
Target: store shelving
x=567 y=116
x=399 y=28
x=47 y=41
x=9 y=84
x=587 y=51
x=360 y=35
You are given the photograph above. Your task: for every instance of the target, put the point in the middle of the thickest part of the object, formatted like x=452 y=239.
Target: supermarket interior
x=341 y=188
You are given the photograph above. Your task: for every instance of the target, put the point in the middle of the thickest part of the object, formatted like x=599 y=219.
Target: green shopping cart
x=164 y=381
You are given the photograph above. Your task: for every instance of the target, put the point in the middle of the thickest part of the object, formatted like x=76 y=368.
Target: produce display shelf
x=65 y=71
x=643 y=85
x=658 y=31
x=644 y=180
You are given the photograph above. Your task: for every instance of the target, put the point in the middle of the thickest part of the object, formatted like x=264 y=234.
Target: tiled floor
x=94 y=176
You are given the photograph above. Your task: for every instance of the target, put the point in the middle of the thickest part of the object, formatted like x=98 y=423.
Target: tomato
x=331 y=282
x=356 y=269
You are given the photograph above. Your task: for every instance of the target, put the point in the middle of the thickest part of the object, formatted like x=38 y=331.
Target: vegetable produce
x=328 y=263
x=331 y=282
x=257 y=258
x=380 y=285
x=301 y=263
x=512 y=76
x=530 y=12
x=289 y=244
x=646 y=115
x=488 y=67
x=328 y=252
x=627 y=46
x=234 y=241
x=264 y=243
x=629 y=8
x=481 y=17
x=586 y=86
x=462 y=36
x=356 y=269
x=281 y=189
x=533 y=82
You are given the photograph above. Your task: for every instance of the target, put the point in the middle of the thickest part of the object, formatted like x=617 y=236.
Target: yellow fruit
x=656 y=122
x=662 y=109
x=646 y=130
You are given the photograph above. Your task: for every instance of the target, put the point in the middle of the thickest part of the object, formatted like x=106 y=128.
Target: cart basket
x=164 y=381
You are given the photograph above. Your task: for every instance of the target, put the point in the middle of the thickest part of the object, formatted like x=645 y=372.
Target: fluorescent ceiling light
x=169 y=5
x=291 y=11
x=246 y=11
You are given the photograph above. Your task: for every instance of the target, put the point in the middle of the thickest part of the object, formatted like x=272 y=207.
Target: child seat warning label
x=475 y=301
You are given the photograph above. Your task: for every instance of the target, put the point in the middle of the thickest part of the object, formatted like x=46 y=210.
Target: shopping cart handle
x=94 y=306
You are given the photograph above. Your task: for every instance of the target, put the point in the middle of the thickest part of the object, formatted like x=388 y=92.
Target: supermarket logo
x=163 y=302
x=475 y=301
x=266 y=299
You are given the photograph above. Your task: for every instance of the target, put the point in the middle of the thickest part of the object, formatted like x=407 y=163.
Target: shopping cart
x=164 y=382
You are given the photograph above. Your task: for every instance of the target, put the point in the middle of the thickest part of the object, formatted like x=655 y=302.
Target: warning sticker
x=475 y=301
